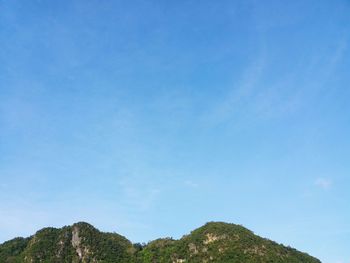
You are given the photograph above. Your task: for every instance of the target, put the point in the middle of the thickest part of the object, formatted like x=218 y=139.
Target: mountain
x=215 y=242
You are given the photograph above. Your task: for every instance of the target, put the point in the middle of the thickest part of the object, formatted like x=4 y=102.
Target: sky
x=151 y=118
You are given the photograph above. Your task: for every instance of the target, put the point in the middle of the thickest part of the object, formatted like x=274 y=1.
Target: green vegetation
x=78 y=243
x=214 y=242
x=221 y=242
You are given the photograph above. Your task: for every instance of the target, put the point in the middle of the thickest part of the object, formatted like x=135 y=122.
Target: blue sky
x=150 y=118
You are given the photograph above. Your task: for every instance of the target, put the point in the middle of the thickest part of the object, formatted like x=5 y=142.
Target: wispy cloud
x=259 y=96
x=323 y=183
x=138 y=195
x=191 y=184
x=323 y=66
x=241 y=92
x=336 y=57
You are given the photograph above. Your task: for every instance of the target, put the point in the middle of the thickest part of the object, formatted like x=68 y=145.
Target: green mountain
x=213 y=242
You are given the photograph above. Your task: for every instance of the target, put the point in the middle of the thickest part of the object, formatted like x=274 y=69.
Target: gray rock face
x=76 y=241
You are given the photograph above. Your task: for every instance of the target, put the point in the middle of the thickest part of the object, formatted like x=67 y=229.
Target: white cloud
x=323 y=183
x=191 y=184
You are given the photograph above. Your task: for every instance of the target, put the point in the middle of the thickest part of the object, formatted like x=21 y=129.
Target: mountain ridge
x=81 y=242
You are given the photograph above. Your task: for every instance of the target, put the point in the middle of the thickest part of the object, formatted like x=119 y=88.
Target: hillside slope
x=214 y=242
x=80 y=242
x=221 y=242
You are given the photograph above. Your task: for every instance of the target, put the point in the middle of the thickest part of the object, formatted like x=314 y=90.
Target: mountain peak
x=83 y=224
x=213 y=242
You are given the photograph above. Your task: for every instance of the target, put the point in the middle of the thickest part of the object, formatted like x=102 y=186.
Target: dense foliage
x=214 y=242
x=78 y=243
x=221 y=242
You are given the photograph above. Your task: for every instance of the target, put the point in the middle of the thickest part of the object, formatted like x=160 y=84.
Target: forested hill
x=213 y=242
